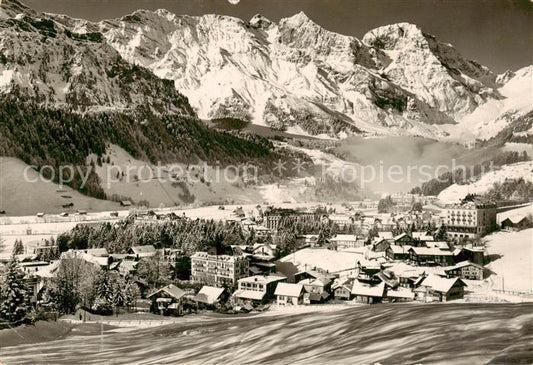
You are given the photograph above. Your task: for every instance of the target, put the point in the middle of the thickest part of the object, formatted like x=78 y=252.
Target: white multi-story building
x=258 y=288
x=346 y=241
x=218 y=269
x=470 y=220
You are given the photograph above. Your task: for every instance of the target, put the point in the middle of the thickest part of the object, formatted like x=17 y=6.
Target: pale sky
x=497 y=33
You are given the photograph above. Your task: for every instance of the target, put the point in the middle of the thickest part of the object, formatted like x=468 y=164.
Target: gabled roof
x=464 y=264
x=314 y=282
x=400 y=236
x=209 y=294
x=441 y=284
x=517 y=219
x=171 y=290
x=289 y=290
x=427 y=251
x=364 y=289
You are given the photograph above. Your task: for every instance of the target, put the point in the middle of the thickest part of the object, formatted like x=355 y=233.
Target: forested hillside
x=44 y=136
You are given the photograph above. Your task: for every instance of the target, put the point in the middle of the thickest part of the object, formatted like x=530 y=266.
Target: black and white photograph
x=233 y=182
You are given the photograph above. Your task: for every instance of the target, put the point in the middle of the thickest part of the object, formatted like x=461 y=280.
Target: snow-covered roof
x=440 y=284
x=143 y=249
x=431 y=251
x=262 y=279
x=360 y=288
x=327 y=260
x=171 y=290
x=464 y=264
x=400 y=236
x=289 y=290
x=249 y=294
x=100 y=252
x=209 y=294
x=442 y=245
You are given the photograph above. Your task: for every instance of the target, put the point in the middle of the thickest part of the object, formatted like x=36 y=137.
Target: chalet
x=169 y=300
x=516 y=223
x=367 y=269
x=343 y=290
x=289 y=294
x=367 y=293
x=425 y=256
x=403 y=239
x=466 y=270
x=437 y=288
x=395 y=252
x=256 y=289
x=316 y=287
x=125 y=203
x=210 y=295
x=264 y=251
x=380 y=245
x=472 y=254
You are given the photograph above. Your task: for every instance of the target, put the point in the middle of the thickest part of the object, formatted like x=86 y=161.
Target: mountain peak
x=298 y=19
x=393 y=36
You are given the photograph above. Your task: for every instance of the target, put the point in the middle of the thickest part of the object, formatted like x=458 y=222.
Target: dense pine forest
x=44 y=136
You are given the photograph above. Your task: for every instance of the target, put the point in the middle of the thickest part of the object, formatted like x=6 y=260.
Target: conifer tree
x=14 y=300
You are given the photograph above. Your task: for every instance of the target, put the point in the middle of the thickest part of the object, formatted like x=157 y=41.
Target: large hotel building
x=470 y=220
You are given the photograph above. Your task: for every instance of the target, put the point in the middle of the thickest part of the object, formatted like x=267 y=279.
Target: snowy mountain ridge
x=297 y=76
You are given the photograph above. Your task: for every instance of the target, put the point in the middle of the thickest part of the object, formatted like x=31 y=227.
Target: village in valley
x=241 y=259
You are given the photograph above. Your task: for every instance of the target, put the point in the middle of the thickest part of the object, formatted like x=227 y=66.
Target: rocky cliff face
x=292 y=75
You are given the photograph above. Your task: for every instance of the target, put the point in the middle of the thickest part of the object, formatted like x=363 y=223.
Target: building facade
x=470 y=220
x=218 y=269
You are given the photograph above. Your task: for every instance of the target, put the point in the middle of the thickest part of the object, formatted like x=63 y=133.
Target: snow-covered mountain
x=292 y=75
x=43 y=60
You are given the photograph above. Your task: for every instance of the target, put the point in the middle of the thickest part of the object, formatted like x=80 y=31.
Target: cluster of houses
x=383 y=267
x=406 y=267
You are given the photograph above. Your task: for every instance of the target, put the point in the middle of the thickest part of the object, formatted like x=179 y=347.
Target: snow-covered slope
x=489 y=119
x=43 y=60
x=455 y=192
